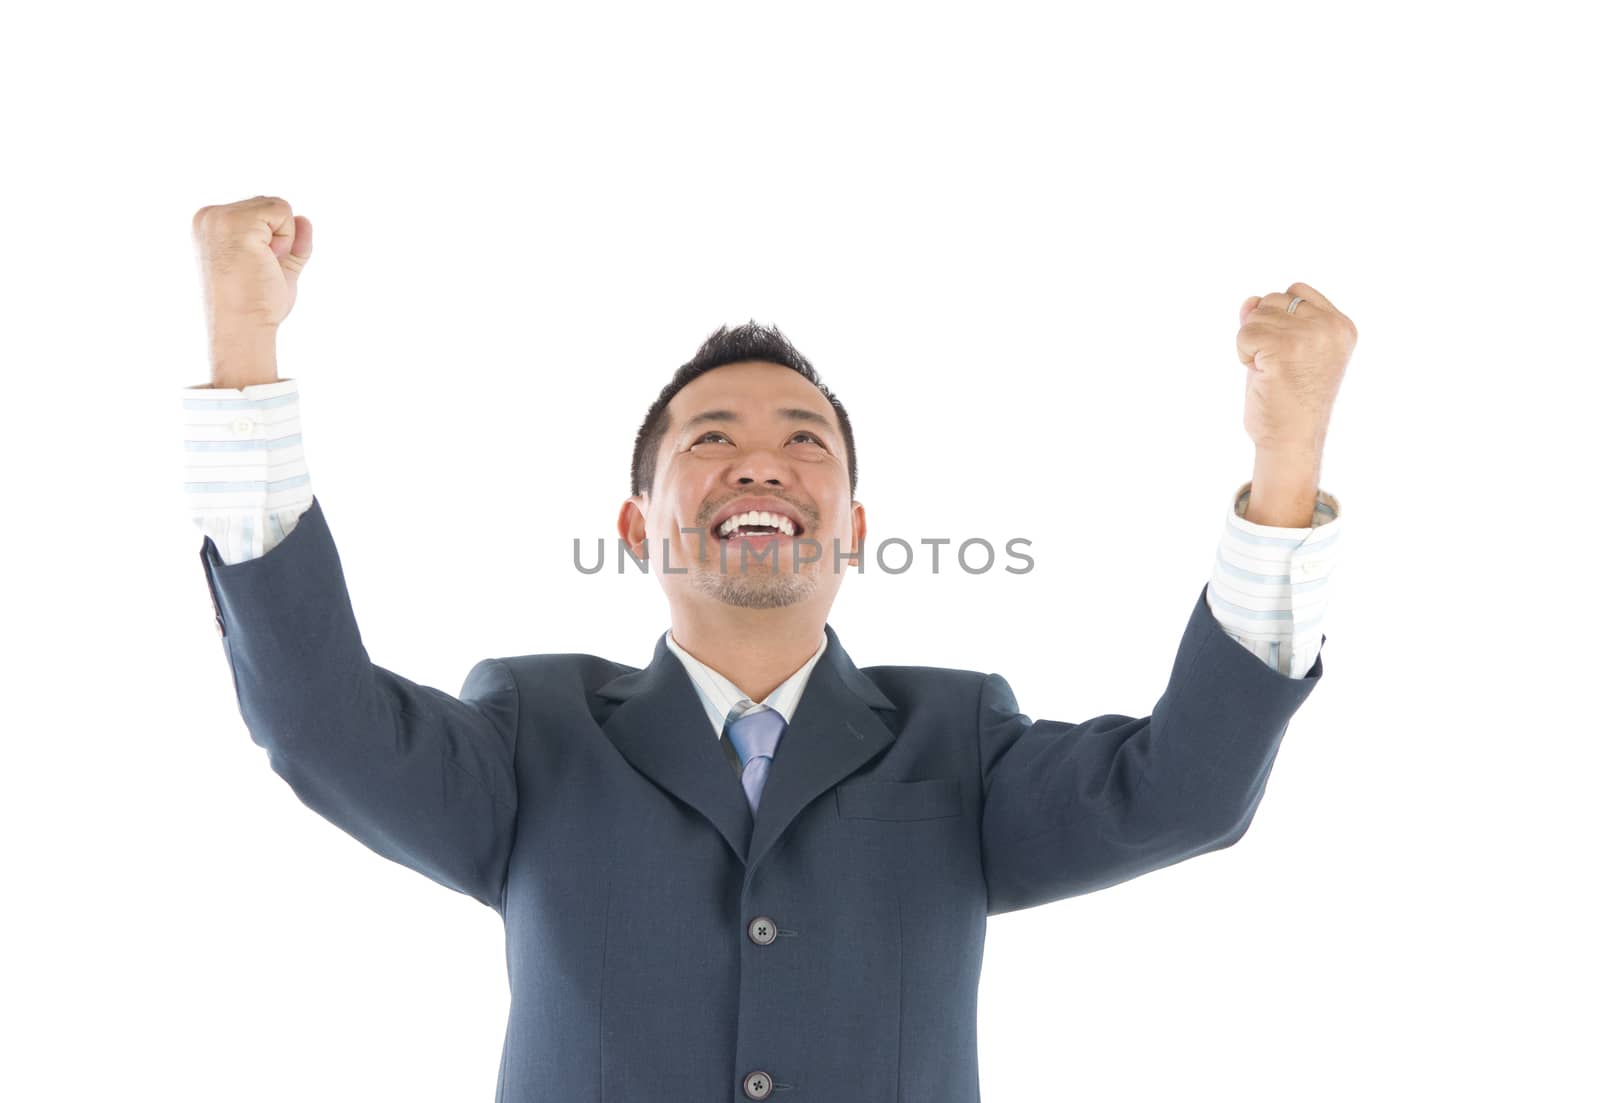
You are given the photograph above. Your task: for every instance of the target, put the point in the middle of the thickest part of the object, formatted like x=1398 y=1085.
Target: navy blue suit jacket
x=663 y=943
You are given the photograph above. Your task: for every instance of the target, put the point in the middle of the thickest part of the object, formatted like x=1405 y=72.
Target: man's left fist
x=1293 y=366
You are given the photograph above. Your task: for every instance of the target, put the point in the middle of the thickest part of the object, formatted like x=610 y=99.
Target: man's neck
x=755 y=649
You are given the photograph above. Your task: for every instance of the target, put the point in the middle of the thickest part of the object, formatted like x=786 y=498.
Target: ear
x=631 y=526
x=858 y=529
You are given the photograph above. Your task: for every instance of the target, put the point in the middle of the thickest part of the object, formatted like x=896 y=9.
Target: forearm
x=244 y=358
x=1283 y=489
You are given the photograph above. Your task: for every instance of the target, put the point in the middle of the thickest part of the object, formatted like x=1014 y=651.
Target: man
x=750 y=867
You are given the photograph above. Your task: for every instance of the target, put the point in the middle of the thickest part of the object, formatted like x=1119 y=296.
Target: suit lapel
x=661 y=728
x=834 y=732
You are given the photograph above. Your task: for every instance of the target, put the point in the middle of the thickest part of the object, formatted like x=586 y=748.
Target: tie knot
x=757 y=733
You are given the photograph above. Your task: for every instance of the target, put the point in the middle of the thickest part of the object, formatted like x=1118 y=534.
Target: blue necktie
x=755 y=736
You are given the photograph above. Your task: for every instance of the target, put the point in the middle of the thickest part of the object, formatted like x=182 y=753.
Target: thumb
x=294 y=249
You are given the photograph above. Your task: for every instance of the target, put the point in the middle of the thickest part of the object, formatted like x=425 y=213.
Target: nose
x=761 y=465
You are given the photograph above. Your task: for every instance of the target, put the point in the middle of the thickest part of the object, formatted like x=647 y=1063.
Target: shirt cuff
x=244 y=468
x=1270 y=586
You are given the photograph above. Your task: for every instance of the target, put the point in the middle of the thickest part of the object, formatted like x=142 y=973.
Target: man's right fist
x=251 y=253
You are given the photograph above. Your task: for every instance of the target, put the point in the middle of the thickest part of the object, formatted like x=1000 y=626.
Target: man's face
x=756 y=435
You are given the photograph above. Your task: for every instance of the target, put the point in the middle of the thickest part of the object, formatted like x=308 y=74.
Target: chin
x=773 y=592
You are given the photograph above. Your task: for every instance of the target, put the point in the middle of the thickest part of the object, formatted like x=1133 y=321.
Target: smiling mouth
x=756 y=524
x=753 y=532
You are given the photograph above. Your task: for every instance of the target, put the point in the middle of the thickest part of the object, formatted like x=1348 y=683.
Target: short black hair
x=750 y=341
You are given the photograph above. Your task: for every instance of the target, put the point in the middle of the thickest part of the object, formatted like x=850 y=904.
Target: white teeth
x=757 y=517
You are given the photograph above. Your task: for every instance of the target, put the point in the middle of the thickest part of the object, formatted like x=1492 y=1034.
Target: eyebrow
x=793 y=413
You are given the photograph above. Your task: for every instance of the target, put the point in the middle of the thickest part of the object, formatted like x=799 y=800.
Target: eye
x=803 y=434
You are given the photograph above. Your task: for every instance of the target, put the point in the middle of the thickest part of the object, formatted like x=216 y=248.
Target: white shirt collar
x=721 y=697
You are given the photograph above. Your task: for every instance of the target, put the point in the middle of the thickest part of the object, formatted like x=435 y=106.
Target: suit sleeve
x=1070 y=808
x=418 y=776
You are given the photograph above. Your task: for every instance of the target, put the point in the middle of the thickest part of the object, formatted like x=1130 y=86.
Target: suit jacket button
x=762 y=930
x=757 y=1085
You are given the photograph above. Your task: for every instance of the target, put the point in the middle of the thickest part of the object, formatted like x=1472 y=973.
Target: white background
x=1015 y=241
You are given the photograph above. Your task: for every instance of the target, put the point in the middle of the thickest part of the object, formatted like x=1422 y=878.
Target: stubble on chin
x=754 y=591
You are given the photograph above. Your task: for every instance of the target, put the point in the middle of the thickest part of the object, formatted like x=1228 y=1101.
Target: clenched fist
x=1293 y=366
x=251 y=254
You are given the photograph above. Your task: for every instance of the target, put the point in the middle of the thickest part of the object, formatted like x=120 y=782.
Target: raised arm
x=419 y=776
x=1074 y=807
x=422 y=777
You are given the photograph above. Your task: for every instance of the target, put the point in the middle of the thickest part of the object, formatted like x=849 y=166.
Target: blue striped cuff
x=1270 y=586
x=244 y=469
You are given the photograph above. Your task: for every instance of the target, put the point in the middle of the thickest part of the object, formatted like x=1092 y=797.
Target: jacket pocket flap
x=928 y=799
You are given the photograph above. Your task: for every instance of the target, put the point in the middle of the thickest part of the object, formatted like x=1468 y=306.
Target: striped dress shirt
x=247 y=485
x=725 y=702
